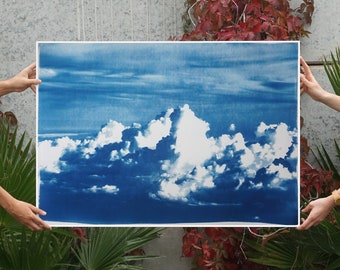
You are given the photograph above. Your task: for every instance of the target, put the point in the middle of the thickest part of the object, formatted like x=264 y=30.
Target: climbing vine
x=227 y=20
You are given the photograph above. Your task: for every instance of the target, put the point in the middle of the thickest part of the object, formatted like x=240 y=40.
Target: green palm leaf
x=325 y=162
x=316 y=248
x=17 y=168
x=109 y=248
x=333 y=70
x=28 y=250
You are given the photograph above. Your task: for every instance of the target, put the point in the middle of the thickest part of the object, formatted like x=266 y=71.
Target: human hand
x=308 y=84
x=24 y=79
x=27 y=214
x=318 y=210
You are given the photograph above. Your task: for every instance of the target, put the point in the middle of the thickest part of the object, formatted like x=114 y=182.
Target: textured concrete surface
x=25 y=22
x=322 y=124
x=169 y=249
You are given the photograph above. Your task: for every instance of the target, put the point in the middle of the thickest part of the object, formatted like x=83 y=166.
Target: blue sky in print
x=168 y=133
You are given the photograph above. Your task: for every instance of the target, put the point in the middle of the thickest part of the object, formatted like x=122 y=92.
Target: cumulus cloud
x=111 y=133
x=52 y=152
x=189 y=172
x=156 y=130
x=278 y=142
x=187 y=164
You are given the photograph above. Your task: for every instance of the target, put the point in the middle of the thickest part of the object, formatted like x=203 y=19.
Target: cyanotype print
x=168 y=133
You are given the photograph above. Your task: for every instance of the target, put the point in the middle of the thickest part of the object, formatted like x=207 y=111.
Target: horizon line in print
x=168 y=133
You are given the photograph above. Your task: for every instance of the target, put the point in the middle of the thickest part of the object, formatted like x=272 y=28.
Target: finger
x=38 y=224
x=35 y=81
x=307 y=209
x=33 y=88
x=305 y=225
x=37 y=210
x=41 y=225
x=304 y=81
x=301 y=226
x=31 y=66
x=306 y=68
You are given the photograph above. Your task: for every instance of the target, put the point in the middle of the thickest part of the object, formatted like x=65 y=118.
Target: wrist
x=336 y=197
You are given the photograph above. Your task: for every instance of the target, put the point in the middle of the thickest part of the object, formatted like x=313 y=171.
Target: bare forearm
x=331 y=100
x=6 y=200
x=5 y=88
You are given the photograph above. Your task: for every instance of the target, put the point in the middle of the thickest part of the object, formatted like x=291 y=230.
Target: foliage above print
x=246 y=20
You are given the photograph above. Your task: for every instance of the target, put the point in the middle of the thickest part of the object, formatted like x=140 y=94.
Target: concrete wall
x=25 y=22
x=322 y=125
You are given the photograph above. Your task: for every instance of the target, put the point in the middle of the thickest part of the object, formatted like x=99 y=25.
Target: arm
x=20 y=82
x=318 y=210
x=25 y=213
x=310 y=86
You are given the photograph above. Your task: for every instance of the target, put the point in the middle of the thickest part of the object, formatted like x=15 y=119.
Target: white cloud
x=257 y=156
x=198 y=159
x=115 y=154
x=188 y=173
x=111 y=133
x=281 y=174
x=256 y=186
x=281 y=171
x=170 y=189
x=220 y=168
x=173 y=191
x=153 y=78
x=156 y=130
x=52 y=152
x=240 y=183
x=47 y=73
x=295 y=152
x=111 y=189
x=193 y=148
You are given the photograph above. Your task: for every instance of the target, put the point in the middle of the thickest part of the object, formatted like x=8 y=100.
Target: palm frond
x=109 y=248
x=333 y=70
x=316 y=248
x=32 y=250
x=325 y=162
x=17 y=168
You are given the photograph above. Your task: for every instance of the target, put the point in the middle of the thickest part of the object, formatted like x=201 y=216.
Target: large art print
x=168 y=133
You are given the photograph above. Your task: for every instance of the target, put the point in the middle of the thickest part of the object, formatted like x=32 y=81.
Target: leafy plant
x=246 y=20
x=33 y=250
x=234 y=248
x=216 y=249
x=325 y=162
x=333 y=70
x=17 y=168
x=316 y=248
x=112 y=248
